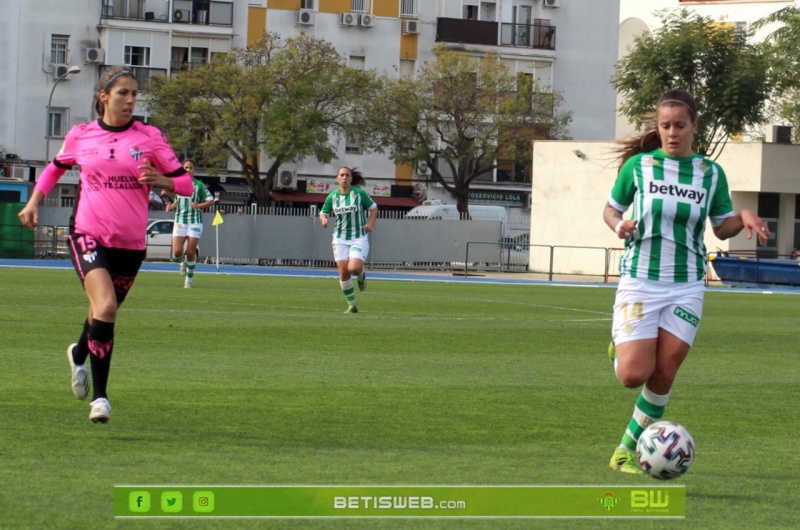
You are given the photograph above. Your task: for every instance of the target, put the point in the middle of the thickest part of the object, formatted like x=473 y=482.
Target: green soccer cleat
x=612 y=351
x=351 y=309
x=362 y=281
x=624 y=461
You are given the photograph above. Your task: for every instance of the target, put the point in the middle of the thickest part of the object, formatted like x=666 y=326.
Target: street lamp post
x=71 y=70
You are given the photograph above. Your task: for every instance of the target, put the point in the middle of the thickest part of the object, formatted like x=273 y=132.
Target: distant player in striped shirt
x=188 y=227
x=659 y=300
x=356 y=214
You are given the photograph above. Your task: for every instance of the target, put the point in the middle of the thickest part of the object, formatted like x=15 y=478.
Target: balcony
x=528 y=36
x=205 y=12
x=538 y=36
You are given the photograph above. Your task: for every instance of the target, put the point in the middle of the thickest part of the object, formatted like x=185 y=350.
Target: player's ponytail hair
x=650 y=140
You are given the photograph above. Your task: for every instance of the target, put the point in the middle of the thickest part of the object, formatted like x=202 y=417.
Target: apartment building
x=569 y=45
x=56 y=50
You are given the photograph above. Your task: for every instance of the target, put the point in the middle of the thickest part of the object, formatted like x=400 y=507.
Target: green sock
x=650 y=407
x=349 y=292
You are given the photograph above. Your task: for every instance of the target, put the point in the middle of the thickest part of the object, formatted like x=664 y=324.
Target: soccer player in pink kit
x=121 y=160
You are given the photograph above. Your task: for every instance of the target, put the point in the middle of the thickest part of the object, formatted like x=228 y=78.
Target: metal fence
x=293 y=237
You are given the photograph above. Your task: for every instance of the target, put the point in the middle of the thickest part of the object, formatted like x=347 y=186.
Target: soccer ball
x=665 y=450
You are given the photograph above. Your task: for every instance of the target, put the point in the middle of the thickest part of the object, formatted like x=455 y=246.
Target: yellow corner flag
x=217 y=219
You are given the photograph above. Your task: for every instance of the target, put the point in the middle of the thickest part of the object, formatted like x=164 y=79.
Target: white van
x=435 y=210
x=477 y=212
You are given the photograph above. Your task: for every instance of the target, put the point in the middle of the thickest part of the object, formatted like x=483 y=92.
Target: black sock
x=81 y=351
x=101 y=345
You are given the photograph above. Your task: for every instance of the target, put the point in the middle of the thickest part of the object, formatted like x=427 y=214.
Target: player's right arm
x=619 y=200
x=327 y=209
x=29 y=215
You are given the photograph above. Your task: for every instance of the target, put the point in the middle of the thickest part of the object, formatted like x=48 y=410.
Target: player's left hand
x=149 y=175
x=753 y=223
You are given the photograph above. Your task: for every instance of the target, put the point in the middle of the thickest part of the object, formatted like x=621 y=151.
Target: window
x=108 y=8
x=358 y=62
x=352 y=143
x=769 y=205
x=797 y=221
x=408 y=8
x=137 y=56
x=58 y=122
x=198 y=56
x=783 y=134
x=306 y=4
x=59 y=47
x=359 y=6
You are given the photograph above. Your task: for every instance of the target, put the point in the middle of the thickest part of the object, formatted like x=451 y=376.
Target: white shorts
x=351 y=249
x=642 y=307
x=194 y=230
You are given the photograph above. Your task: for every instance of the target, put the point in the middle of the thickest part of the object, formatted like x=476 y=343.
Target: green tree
x=464 y=114
x=782 y=47
x=287 y=99
x=726 y=74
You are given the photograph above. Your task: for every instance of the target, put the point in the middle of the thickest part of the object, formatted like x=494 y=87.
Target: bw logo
x=649 y=499
x=89 y=258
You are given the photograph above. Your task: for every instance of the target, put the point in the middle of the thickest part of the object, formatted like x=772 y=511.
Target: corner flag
x=217 y=219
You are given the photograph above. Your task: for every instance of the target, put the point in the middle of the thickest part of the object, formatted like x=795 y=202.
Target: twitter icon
x=171 y=501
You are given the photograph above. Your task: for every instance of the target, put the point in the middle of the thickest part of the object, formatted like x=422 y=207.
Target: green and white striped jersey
x=671 y=198
x=185 y=214
x=350 y=210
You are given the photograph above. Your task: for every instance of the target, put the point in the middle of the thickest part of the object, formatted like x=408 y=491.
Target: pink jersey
x=111 y=205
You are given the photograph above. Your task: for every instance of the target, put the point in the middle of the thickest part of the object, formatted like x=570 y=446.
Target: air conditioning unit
x=182 y=15
x=422 y=168
x=60 y=70
x=551 y=3
x=349 y=19
x=365 y=20
x=286 y=179
x=410 y=27
x=94 y=55
x=14 y=172
x=305 y=17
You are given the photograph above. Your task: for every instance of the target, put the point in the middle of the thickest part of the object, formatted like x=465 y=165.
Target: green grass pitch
x=248 y=380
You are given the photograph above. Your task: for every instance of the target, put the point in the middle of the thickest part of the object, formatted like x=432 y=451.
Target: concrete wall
x=254 y=238
x=570 y=192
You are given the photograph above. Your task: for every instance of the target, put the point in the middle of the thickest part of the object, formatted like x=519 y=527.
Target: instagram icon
x=203 y=501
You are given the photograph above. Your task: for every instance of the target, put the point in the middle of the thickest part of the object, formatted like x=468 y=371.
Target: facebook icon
x=139 y=501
